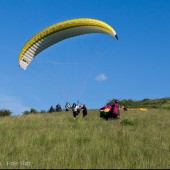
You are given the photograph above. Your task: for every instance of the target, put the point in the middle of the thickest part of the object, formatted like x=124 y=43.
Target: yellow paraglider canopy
x=58 y=32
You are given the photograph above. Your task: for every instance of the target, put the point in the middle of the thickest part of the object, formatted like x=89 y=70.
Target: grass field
x=55 y=140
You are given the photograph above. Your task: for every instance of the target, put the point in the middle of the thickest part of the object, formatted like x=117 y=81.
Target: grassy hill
x=55 y=140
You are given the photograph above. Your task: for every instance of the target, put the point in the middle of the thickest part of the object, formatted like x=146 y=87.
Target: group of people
x=113 y=112
x=75 y=109
x=58 y=108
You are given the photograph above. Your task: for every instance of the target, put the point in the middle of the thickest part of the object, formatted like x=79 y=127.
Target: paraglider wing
x=106 y=108
x=59 y=32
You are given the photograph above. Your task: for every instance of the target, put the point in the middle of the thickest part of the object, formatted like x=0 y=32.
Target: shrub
x=33 y=110
x=26 y=112
x=5 y=112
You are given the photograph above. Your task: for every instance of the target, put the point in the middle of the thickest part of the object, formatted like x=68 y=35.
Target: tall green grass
x=55 y=140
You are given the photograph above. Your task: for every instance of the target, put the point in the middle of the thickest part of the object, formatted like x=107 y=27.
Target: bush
x=26 y=113
x=33 y=110
x=30 y=112
x=5 y=112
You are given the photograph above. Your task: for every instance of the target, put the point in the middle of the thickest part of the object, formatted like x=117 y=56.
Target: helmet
x=116 y=101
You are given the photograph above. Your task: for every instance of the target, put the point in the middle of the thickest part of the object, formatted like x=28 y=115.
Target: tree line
x=146 y=103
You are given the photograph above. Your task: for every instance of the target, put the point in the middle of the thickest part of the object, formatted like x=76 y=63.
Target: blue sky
x=92 y=68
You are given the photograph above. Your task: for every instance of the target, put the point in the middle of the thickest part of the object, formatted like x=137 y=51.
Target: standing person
x=67 y=106
x=58 y=108
x=115 y=113
x=84 y=109
x=51 y=109
x=75 y=110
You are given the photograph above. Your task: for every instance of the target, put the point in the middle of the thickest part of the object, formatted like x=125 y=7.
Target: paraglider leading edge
x=58 y=32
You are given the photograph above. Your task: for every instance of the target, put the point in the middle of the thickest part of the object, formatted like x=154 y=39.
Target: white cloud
x=101 y=77
x=13 y=104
